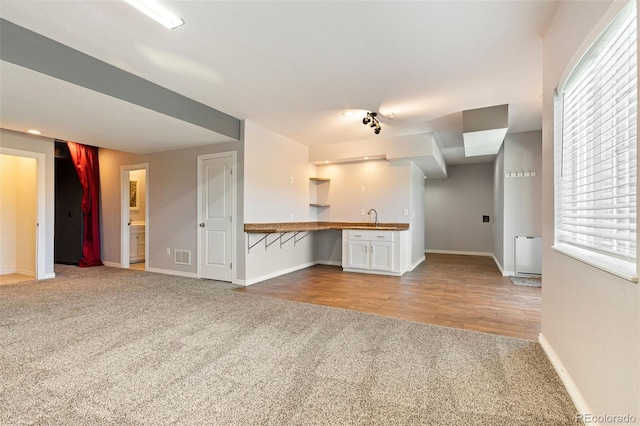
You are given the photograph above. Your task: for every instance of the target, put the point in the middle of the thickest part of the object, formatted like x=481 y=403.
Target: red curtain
x=85 y=159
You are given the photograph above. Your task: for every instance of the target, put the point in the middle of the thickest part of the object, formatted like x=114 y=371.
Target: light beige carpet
x=111 y=346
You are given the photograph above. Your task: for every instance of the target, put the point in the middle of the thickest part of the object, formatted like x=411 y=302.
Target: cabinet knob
x=202 y=225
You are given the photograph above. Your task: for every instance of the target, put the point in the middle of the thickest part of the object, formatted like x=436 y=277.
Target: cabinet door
x=141 y=245
x=359 y=254
x=381 y=256
x=133 y=245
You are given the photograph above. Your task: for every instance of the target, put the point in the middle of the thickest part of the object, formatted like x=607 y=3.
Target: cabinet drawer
x=367 y=235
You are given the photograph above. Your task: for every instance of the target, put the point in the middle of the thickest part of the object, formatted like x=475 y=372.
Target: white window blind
x=596 y=193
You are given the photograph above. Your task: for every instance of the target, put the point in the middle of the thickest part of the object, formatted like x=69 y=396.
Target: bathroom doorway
x=135 y=217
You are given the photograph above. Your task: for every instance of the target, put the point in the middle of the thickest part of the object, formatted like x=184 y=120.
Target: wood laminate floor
x=456 y=291
x=14 y=278
x=137 y=266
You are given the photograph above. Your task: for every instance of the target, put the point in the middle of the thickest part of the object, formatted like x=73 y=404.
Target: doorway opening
x=68 y=235
x=22 y=212
x=134 y=253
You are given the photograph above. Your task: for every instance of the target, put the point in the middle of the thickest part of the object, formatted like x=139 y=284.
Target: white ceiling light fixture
x=34 y=132
x=156 y=12
x=484 y=129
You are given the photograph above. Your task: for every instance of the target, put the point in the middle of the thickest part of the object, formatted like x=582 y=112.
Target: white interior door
x=216 y=213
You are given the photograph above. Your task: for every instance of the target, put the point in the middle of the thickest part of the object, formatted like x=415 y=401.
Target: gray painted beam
x=28 y=49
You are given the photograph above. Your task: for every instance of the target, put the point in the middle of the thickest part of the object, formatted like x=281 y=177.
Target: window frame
x=609 y=263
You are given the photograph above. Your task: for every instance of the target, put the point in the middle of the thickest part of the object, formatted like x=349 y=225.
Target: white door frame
x=41 y=223
x=234 y=205
x=124 y=213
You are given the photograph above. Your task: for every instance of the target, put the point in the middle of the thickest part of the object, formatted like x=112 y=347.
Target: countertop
x=270 y=228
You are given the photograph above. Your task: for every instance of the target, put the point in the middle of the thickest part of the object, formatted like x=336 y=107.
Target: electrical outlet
x=291 y=216
x=363 y=188
x=362 y=213
x=168 y=251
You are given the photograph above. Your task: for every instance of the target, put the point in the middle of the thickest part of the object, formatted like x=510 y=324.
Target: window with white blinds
x=596 y=191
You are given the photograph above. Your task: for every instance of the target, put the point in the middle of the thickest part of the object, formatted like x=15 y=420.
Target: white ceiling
x=293 y=67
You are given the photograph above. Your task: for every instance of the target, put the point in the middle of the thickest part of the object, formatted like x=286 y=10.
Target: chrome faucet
x=369 y=213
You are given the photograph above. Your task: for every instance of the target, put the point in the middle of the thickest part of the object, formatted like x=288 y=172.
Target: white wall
x=590 y=318
x=416 y=226
x=498 y=209
x=522 y=195
x=277 y=172
x=276 y=189
x=454 y=208
x=387 y=188
x=36 y=144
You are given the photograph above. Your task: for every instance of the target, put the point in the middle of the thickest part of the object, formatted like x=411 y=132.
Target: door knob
x=202 y=225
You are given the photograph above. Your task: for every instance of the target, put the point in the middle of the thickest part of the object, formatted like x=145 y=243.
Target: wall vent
x=182 y=257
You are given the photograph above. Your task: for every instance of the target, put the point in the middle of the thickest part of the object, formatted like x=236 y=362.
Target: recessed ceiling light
x=326 y=161
x=156 y=12
x=348 y=113
x=366 y=158
x=34 y=132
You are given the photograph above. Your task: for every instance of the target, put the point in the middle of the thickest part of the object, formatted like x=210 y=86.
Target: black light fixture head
x=372 y=120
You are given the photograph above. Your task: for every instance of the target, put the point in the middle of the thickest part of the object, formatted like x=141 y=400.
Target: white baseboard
x=416 y=264
x=277 y=273
x=26 y=272
x=48 y=276
x=111 y=264
x=328 y=262
x=464 y=253
x=372 y=272
x=495 y=259
x=240 y=282
x=172 y=272
x=8 y=271
x=502 y=271
x=571 y=387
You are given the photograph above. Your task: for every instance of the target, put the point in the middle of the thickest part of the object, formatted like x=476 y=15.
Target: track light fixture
x=372 y=120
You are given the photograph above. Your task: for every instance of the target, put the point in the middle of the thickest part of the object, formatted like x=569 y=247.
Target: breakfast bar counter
x=272 y=228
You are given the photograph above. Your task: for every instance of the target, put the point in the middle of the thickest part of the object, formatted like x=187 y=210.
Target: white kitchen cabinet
x=358 y=254
x=136 y=243
x=375 y=252
x=382 y=256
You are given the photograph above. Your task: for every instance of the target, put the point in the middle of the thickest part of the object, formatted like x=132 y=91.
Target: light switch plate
x=290 y=179
x=362 y=213
x=406 y=212
x=363 y=188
